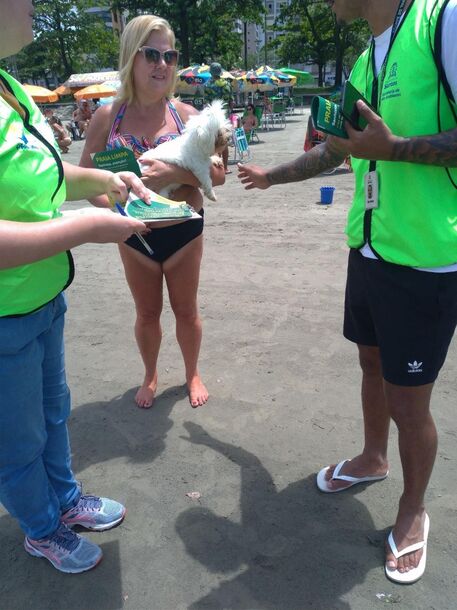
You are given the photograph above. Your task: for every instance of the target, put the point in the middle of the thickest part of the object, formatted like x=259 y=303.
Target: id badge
x=371 y=190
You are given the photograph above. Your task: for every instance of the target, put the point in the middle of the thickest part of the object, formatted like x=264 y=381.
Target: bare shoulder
x=184 y=110
x=98 y=131
x=103 y=117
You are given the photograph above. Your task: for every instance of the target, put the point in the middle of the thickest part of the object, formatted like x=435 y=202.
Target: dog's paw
x=211 y=195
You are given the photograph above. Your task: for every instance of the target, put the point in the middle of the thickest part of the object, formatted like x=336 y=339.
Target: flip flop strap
x=343 y=477
x=349 y=479
x=409 y=549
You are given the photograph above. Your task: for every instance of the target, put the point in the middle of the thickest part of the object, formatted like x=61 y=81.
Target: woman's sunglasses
x=153 y=56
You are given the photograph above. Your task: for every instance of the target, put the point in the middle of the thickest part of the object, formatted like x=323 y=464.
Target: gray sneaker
x=94 y=513
x=67 y=551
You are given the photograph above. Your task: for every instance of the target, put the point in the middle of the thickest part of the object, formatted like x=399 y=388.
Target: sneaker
x=67 y=551
x=94 y=513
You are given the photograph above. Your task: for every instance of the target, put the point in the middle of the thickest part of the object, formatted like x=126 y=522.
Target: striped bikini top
x=137 y=145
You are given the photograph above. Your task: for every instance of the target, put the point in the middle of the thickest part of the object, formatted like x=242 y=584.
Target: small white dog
x=205 y=134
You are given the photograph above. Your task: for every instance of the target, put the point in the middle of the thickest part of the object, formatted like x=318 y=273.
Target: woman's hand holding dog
x=156 y=174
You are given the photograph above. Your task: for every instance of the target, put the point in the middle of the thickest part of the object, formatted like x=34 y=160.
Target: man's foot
x=228 y=171
x=146 y=394
x=408 y=536
x=357 y=470
x=198 y=394
x=67 y=551
x=94 y=513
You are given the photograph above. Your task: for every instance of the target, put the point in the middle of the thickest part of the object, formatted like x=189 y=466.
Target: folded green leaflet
x=328 y=117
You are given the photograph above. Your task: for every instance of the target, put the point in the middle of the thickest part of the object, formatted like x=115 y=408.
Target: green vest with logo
x=32 y=188
x=415 y=223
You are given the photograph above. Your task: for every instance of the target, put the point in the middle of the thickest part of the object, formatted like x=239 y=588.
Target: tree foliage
x=312 y=35
x=204 y=29
x=67 y=40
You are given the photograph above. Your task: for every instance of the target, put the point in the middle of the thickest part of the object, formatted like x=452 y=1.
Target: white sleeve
x=449 y=50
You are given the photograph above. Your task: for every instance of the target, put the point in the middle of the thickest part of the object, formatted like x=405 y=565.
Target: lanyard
x=379 y=79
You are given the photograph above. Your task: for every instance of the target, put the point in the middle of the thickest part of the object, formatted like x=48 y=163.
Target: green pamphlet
x=160 y=208
x=117 y=160
x=328 y=117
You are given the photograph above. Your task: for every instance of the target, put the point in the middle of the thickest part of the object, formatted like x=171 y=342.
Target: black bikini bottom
x=167 y=240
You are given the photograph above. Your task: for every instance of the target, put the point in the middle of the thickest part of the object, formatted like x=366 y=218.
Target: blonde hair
x=136 y=33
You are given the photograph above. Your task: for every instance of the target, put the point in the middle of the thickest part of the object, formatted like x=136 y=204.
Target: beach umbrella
x=95 y=91
x=251 y=81
x=279 y=78
x=189 y=79
x=40 y=94
x=303 y=77
x=63 y=90
x=115 y=84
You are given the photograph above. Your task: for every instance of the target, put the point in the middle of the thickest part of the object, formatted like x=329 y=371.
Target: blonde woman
x=143 y=116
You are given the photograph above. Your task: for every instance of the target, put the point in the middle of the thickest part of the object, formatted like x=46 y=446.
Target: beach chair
x=279 y=113
x=240 y=145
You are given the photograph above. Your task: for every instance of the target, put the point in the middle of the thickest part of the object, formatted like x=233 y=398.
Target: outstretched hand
x=253 y=177
x=376 y=142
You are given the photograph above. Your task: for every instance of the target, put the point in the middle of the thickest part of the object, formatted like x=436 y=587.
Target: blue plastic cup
x=327 y=194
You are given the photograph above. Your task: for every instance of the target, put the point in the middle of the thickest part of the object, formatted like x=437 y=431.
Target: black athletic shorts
x=410 y=315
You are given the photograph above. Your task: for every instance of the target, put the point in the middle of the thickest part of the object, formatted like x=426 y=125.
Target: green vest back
x=416 y=221
x=32 y=188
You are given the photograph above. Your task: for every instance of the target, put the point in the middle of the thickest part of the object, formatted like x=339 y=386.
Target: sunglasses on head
x=153 y=56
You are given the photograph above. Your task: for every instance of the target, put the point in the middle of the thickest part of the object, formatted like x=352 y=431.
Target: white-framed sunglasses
x=153 y=56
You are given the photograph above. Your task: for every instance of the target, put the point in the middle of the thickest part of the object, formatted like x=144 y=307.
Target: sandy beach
x=284 y=402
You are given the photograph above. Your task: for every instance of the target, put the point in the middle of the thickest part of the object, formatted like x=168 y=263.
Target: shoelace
x=64 y=538
x=88 y=503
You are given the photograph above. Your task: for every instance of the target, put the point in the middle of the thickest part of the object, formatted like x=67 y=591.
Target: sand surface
x=284 y=402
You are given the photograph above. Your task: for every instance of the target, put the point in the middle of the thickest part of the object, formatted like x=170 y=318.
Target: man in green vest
x=401 y=294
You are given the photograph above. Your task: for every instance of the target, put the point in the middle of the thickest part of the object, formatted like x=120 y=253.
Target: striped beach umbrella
x=279 y=78
x=189 y=79
x=251 y=81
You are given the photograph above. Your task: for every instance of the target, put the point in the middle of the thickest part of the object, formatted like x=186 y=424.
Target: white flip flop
x=411 y=576
x=322 y=482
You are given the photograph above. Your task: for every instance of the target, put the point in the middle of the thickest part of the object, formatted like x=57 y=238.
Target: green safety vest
x=416 y=221
x=32 y=188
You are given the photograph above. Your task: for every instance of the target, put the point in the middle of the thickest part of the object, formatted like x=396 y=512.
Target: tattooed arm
x=322 y=157
x=377 y=142
x=440 y=149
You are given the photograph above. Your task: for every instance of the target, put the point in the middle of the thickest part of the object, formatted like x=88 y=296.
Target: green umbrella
x=303 y=78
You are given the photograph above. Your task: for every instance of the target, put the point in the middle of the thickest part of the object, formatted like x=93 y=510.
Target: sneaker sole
x=96 y=528
x=31 y=550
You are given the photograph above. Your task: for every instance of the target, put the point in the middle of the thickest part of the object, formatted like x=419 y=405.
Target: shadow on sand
x=294 y=549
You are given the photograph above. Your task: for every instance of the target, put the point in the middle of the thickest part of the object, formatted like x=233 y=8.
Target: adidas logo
x=415 y=367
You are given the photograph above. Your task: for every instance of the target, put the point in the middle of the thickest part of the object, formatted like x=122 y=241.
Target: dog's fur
x=205 y=134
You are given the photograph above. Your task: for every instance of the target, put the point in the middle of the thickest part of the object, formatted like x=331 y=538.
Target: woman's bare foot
x=360 y=466
x=145 y=395
x=408 y=530
x=198 y=394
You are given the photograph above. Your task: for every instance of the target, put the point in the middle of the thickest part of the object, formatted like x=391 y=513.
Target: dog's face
x=211 y=127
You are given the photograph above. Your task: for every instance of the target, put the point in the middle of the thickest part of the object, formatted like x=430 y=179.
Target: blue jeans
x=36 y=480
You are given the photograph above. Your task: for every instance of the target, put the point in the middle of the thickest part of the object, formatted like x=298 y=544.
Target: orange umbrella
x=40 y=94
x=63 y=90
x=96 y=91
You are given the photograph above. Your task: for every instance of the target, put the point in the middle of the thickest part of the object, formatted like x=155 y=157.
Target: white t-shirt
x=449 y=59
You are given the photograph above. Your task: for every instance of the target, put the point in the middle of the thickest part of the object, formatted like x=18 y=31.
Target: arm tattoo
x=317 y=160
x=439 y=149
